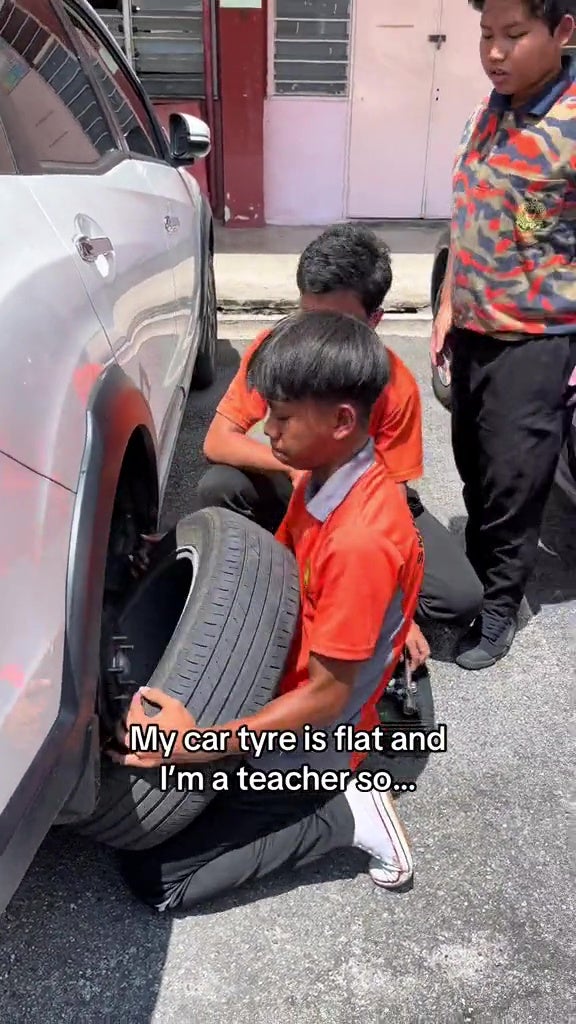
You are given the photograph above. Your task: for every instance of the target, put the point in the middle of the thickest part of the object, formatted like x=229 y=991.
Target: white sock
x=370 y=833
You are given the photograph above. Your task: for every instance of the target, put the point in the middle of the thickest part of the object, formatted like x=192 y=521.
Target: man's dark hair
x=323 y=356
x=346 y=257
x=549 y=11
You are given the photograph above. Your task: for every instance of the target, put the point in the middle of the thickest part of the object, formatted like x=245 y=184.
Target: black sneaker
x=488 y=640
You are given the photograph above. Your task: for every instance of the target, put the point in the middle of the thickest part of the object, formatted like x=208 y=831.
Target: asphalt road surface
x=486 y=935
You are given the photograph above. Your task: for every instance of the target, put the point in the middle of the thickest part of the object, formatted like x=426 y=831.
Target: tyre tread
x=245 y=620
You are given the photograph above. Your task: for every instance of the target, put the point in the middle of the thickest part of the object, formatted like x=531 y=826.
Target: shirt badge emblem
x=531 y=215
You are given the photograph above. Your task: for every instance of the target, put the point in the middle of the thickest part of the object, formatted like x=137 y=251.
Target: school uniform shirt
x=360 y=562
x=514 y=215
x=395 y=424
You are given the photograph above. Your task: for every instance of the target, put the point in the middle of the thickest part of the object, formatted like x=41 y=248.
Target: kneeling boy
x=360 y=560
x=345 y=270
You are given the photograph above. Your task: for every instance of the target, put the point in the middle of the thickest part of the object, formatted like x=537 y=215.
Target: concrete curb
x=272 y=307
x=256 y=273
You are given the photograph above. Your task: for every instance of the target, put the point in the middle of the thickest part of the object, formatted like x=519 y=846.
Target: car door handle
x=91 y=248
x=171 y=224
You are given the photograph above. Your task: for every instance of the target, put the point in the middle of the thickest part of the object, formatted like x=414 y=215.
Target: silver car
x=108 y=316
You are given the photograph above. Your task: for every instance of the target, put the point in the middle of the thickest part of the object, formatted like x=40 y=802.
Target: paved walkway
x=483 y=937
x=256 y=268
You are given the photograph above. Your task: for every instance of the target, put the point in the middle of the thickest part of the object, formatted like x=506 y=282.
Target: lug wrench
x=409 y=703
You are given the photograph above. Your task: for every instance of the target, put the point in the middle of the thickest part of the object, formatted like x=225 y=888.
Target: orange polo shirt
x=361 y=564
x=395 y=424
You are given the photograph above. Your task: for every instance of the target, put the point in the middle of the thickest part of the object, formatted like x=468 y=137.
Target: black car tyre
x=205 y=366
x=440 y=386
x=211 y=624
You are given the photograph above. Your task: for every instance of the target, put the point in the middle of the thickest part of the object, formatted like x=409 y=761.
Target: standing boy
x=508 y=310
x=346 y=269
x=361 y=564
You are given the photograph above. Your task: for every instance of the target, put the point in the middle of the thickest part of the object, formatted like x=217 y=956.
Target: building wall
x=305 y=158
x=383 y=146
x=304 y=136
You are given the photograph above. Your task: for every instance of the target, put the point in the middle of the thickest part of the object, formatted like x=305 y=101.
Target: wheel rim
x=143 y=630
x=444 y=373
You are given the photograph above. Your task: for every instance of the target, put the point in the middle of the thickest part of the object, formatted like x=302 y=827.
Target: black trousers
x=509 y=423
x=451 y=591
x=242 y=836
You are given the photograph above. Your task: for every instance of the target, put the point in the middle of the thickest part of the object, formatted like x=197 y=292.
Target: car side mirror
x=190 y=138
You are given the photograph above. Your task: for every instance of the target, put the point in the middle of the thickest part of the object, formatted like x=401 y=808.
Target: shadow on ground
x=553 y=581
x=74 y=939
x=554 y=577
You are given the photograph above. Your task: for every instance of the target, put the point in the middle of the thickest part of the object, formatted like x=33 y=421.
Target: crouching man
x=347 y=269
x=360 y=561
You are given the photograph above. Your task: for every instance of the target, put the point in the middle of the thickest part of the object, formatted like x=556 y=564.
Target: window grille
x=311 y=47
x=165 y=41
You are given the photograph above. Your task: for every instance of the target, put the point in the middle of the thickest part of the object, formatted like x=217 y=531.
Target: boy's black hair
x=549 y=11
x=323 y=356
x=346 y=257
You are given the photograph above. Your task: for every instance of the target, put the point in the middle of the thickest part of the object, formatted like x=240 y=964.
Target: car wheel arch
x=60 y=785
x=120 y=451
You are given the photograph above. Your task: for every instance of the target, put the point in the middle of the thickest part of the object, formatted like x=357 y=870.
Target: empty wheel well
x=135 y=512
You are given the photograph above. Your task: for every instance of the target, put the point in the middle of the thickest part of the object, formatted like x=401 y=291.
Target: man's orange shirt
x=395 y=425
x=361 y=564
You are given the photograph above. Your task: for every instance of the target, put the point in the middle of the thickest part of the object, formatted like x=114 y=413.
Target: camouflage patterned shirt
x=514 y=215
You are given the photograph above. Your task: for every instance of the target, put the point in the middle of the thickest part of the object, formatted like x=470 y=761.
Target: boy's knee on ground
x=468 y=600
x=222 y=484
x=457 y=602
x=142 y=873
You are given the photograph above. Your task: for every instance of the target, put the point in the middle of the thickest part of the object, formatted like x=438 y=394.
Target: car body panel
x=61 y=781
x=34 y=541
x=178 y=197
x=132 y=289
x=187 y=246
x=98 y=353
x=52 y=344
